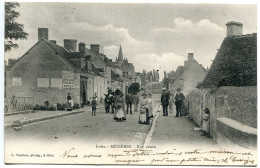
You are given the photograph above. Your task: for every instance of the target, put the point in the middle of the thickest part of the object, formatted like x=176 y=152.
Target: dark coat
x=179 y=97
x=165 y=99
x=129 y=99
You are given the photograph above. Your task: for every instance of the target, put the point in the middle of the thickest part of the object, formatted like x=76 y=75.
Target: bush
x=76 y=106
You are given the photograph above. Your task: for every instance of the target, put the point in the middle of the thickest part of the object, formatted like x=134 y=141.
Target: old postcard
x=130 y=83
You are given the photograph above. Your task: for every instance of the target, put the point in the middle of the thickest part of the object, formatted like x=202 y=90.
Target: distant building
x=187 y=77
x=138 y=78
x=128 y=69
x=156 y=87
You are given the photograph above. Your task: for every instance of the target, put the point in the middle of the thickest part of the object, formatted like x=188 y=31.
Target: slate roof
x=116 y=77
x=235 y=63
x=62 y=52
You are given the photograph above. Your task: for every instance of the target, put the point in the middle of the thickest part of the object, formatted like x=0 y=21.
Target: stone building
x=48 y=72
x=230 y=91
x=128 y=69
x=187 y=77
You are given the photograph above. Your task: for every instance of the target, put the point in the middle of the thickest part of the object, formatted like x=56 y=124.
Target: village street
x=103 y=130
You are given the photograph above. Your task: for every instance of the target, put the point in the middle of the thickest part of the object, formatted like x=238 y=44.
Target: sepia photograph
x=130 y=83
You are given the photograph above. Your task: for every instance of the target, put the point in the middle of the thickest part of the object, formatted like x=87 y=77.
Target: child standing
x=205 y=123
x=94 y=106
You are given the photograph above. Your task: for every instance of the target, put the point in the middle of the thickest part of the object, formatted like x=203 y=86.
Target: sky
x=153 y=36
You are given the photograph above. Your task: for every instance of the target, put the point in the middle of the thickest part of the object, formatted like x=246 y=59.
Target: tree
x=13 y=30
x=134 y=88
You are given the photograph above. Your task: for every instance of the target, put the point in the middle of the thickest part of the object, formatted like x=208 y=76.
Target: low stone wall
x=236 y=103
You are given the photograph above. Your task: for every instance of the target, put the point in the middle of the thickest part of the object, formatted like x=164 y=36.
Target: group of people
x=167 y=99
x=116 y=102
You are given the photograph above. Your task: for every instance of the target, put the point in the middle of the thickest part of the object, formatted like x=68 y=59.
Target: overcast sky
x=158 y=36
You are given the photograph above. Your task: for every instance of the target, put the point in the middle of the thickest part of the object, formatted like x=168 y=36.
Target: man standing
x=107 y=102
x=129 y=101
x=165 y=101
x=136 y=101
x=179 y=97
x=112 y=100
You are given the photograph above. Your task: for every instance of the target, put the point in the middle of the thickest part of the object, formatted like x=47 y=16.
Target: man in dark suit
x=129 y=102
x=165 y=102
x=179 y=97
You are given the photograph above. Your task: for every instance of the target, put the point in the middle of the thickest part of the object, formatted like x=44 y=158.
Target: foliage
x=134 y=88
x=13 y=29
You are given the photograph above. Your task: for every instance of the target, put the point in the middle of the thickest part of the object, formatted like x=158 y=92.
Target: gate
x=17 y=104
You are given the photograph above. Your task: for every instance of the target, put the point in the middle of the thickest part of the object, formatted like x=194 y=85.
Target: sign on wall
x=67 y=79
x=43 y=82
x=17 y=81
x=56 y=82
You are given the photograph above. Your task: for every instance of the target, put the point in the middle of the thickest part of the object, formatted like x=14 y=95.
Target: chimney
x=95 y=48
x=190 y=56
x=89 y=66
x=88 y=63
x=53 y=41
x=43 y=32
x=82 y=47
x=234 y=29
x=70 y=45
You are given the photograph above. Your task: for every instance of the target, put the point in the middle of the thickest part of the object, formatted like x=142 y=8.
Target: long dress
x=150 y=106
x=205 y=123
x=119 y=104
x=171 y=102
x=144 y=114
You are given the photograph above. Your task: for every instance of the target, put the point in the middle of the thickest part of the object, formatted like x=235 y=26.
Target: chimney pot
x=43 y=32
x=82 y=47
x=70 y=45
x=190 y=56
x=53 y=41
x=234 y=28
x=95 y=48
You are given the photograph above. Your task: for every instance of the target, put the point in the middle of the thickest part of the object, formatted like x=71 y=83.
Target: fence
x=17 y=104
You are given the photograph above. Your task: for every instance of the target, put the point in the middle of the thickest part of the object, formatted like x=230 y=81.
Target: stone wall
x=39 y=74
x=235 y=103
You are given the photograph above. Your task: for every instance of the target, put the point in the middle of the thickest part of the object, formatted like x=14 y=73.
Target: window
x=17 y=81
x=43 y=82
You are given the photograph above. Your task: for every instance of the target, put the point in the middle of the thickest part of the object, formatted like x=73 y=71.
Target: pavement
x=80 y=125
x=37 y=116
x=178 y=131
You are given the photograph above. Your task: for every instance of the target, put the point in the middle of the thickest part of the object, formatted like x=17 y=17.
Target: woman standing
x=150 y=105
x=171 y=102
x=119 y=104
x=144 y=113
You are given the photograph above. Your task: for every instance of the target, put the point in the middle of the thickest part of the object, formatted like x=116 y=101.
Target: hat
x=163 y=88
x=178 y=89
x=118 y=88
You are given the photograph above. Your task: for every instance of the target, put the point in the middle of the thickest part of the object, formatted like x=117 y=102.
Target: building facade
x=48 y=72
x=187 y=77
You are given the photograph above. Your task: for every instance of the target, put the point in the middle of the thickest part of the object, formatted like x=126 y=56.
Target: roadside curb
x=20 y=112
x=50 y=117
x=150 y=133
